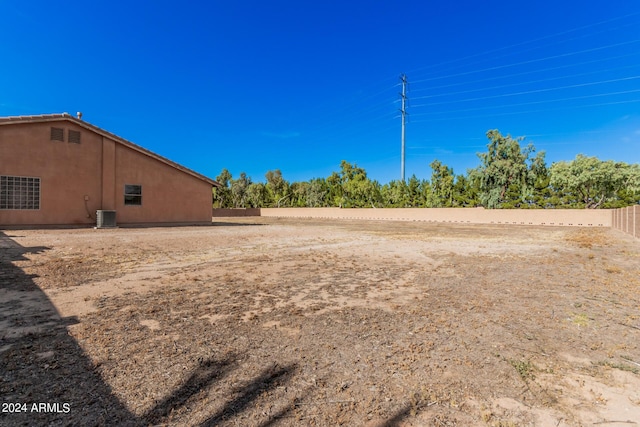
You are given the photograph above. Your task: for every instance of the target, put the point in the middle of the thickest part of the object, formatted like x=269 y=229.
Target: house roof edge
x=66 y=116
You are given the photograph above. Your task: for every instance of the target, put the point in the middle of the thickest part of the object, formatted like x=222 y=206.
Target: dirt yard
x=264 y=321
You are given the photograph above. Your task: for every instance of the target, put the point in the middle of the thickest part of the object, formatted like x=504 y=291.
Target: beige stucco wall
x=556 y=217
x=224 y=212
x=168 y=195
x=108 y=196
x=96 y=170
x=627 y=220
x=67 y=172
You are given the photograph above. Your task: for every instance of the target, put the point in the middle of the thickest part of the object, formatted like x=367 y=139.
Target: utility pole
x=403 y=112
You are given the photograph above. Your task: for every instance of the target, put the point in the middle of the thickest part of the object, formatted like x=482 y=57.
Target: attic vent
x=74 y=136
x=57 y=134
x=105 y=219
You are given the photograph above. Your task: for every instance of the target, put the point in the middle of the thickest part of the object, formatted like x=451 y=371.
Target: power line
x=527 y=42
x=354 y=135
x=523 y=73
x=510 y=113
x=340 y=127
x=483 y=98
x=328 y=113
x=521 y=83
x=572 y=98
x=382 y=104
x=520 y=51
x=349 y=131
x=337 y=120
x=498 y=67
x=349 y=127
x=527 y=136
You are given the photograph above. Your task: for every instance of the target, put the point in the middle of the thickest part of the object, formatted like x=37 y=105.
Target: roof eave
x=106 y=134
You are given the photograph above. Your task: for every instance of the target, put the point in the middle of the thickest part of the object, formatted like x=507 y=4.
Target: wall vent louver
x=105 y=219
x=57 y=134
x=74 y=136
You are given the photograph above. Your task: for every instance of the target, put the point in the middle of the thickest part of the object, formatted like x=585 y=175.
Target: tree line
x=508 y=176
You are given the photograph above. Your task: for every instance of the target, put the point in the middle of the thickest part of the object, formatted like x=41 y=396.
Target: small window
x=57 y=134
x=133 y=195
x=19 y=192
x=74 y=136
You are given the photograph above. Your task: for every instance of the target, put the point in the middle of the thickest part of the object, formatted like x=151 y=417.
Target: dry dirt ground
x=258 y=322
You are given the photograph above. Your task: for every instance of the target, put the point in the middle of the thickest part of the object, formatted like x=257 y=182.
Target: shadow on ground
x=41 y=363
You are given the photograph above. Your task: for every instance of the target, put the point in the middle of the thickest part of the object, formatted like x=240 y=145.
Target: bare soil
x=259 y=322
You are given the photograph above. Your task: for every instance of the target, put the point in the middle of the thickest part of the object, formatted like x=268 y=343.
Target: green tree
x=222 y=195
x=335 y=196
x=239 y=189
x=508 y=173
x=465 y=192
x=630 y=193
x=352 y=188
x=361 y=191
x=299 y=192
x=543 y=196
x=256 y=195
x=317 y=192
x=351 y=178
x=277 y=188
x=593 y=183
x=442 y=179
x=415 y=194
x=395 y=194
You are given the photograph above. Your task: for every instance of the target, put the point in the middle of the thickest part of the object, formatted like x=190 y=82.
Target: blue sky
x=301 y=85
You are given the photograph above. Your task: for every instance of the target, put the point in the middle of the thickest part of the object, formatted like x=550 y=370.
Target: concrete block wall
x=552 y=217
x=627 y=220
x=223 y=212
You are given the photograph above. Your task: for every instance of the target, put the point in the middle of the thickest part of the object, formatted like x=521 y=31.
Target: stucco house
x=57 y=169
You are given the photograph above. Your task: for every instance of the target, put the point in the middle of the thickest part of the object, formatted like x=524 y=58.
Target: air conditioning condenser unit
x=105 y=219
